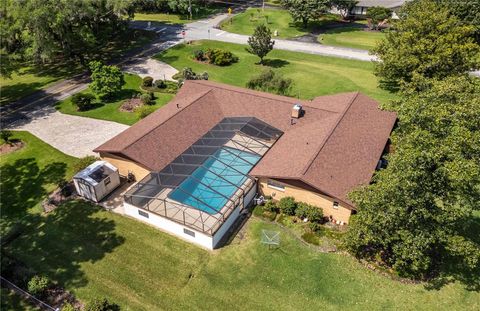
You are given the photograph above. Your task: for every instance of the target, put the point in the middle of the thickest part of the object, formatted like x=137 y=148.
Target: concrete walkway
x=73 y=135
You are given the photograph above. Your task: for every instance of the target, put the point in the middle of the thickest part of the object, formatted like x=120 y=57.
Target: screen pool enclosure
x=209 y=180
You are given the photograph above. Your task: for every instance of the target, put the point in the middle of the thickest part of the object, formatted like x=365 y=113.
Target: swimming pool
x=211 y=185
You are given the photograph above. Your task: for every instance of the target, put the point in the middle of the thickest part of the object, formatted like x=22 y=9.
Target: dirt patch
x=57 y=197
x=11 y=147
x=130 y=105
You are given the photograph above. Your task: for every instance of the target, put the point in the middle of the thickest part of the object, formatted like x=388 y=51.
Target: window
x=335 y=205
x=275 y=185
x=144 y=214
x=106 y=181
x=189 y=232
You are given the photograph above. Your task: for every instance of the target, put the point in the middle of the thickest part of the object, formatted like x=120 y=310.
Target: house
x=203 y=157
x=361 y=8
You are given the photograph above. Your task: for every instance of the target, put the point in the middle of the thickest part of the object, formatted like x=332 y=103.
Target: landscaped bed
x=312 y=75
x=111 y=110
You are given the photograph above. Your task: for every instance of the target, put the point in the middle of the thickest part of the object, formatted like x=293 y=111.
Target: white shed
x=97 y=180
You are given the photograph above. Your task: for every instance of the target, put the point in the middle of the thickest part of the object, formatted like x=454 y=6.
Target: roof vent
x=297 y=111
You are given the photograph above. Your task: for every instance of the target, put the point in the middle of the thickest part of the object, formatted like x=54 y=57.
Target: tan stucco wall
x=124 y=166
x=302 y=195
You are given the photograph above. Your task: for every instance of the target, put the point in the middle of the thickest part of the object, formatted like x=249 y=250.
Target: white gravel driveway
x=73 y=135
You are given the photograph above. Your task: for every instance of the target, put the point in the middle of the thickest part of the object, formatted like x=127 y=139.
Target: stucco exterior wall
x=302 y=195
x=124 y=166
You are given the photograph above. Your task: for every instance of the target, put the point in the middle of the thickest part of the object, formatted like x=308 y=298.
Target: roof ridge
x=340 y=118
x=173 y=115
x=238 y=89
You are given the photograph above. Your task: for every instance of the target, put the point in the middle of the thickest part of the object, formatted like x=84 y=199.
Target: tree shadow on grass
x=275 y=63
x=457 y=271
x=23 y=185
x=77 y=232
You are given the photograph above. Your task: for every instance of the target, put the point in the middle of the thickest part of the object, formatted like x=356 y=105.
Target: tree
x=416 y=215
x=39 y=30
x=101 y=305
x=427 y=42
x=466 y=11
x=377 y=15
x=344 y=6
x=261 y=42
x=106 y=80
x=6 y=135
x=306 y=10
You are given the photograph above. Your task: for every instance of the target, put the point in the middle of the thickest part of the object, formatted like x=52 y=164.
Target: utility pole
x=190 y=8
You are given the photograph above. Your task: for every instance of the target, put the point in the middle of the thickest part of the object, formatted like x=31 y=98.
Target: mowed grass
x=280 y=20
x=352 y=38
x=28 y=175
x=33 y=77
x=95 y=253
x=110 y=110
x=313 y=75
x=171 y=18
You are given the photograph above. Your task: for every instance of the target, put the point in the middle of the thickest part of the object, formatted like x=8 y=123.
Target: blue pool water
x=196 y=190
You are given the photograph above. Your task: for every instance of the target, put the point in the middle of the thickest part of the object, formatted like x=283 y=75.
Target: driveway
x=73 y=135
x=150 y=67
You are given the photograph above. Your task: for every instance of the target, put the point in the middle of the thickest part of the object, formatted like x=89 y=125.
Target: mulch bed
x=129 y=105
x=58 y=196
x=11 y=147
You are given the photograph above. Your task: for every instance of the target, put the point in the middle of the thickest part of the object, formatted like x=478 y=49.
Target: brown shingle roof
x=334 y=147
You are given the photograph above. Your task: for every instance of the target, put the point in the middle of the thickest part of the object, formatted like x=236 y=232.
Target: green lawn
x=98 y=253
x=352 y=38
x=280 y=20
x=110 y=110
x=313 y=75
x=30 y=77
x=28 y=175
x=171 y=18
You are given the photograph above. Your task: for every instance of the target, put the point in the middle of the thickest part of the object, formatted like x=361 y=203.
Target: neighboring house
x=203 y=157
x=360 y=10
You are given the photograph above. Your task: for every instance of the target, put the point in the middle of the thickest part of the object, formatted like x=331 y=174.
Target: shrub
x=270 y=81
x=101 y=305
x=258 y=211
x=311 y=238
x=38 y=285
x=199 y=55
x=221 y=57
x=160 y=84
x=68 y=307
x=84 y=162
x=314 y=226
x=270 y=206
x=146 y=99
x=144 y=111
x=287 y=205
x=83 y=101
x=188 y=74
x=6 y=135
x=312 y=213
x=147 y=81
